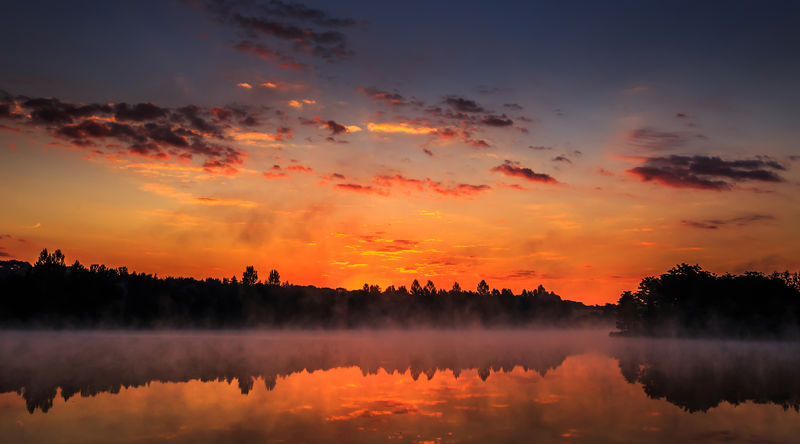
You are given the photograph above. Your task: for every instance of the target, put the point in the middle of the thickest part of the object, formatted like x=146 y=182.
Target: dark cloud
x=388 y=98
x=298 y=11
x=706 y=173
x=513 y=106
x=429 y=185
x=463 y=105
x=357 y=188
x=653 y=140
x=713 y=224
x=561 y=159
x=138 y=112
x=275 y=22
x=478 y=143
x=498 y=121
x=143 y=129
x=53 y=111
x=514 y=170
x=283 y=60
x=540 y=148
x=336 y=128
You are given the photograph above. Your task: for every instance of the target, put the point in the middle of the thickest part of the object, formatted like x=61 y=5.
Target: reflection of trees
x=699 y=375
x=36 y=365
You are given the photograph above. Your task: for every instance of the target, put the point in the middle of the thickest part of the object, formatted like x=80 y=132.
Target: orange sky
x=337 y=174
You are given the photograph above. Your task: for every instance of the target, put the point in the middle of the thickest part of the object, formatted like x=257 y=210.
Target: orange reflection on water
x=585 y=399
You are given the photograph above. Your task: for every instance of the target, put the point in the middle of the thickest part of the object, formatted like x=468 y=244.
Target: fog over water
x=411 y=386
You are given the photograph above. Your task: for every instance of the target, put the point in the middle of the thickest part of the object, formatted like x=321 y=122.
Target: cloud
x=561 y=159
x=245 y=85
x=366 y=189
x=299 y=169
x=292 y=25
x=653 y=140
x=429 y=185
x=388 y=98
x=513 y=106
x=335 y=128
x=298 y=11
x=463 y=105
x=142 y=129
x=706 y=173
x=399 y=128
x=498 y=121
x=713 y=224
x=283 y=60
x=540 y=148
x=187 y=198
x=514 y=170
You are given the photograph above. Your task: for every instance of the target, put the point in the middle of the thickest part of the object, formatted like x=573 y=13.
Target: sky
x=578 y=145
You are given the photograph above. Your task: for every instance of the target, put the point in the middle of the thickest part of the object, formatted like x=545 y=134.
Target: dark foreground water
x=422 y=387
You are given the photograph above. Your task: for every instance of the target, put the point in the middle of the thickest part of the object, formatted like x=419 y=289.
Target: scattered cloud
x=399 y=128
x=654 y=140
x=498 y=121
x=303 y=30
x=564 y=159
x=713 y=224
x=142 y=129
x=187 y=198
x=386 y=97
x=513 y=169
x=706 y=173
x=463 y=105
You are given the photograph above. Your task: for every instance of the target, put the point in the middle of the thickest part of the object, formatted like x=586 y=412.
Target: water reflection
x=90 y=363
x=699 y=375
x=473 y=386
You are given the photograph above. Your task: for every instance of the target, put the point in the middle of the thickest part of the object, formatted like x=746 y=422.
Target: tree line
x=51 y=294
x=690 y=301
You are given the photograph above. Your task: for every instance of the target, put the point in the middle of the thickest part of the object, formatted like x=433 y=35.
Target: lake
x=467 y=386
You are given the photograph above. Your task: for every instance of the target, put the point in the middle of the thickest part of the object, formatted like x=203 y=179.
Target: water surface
x=420 y=386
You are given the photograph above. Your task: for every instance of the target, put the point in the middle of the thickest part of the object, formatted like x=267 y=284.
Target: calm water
x=433 y=387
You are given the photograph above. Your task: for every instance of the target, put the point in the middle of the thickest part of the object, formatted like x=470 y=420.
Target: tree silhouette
x=53 y=295
x=689 y=301
x=49 y=260
x=483 y=288
x=250 y=276
x=430 y=288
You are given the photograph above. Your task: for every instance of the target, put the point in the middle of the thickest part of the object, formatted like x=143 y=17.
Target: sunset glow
x=379 y=145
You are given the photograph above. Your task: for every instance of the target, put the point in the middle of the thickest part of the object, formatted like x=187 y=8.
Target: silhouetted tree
x=250 y=276
x=48 y=260
x=274 y=277
x=483 y=288
x=53 y=295
x=430 y=289
x=690 y=301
